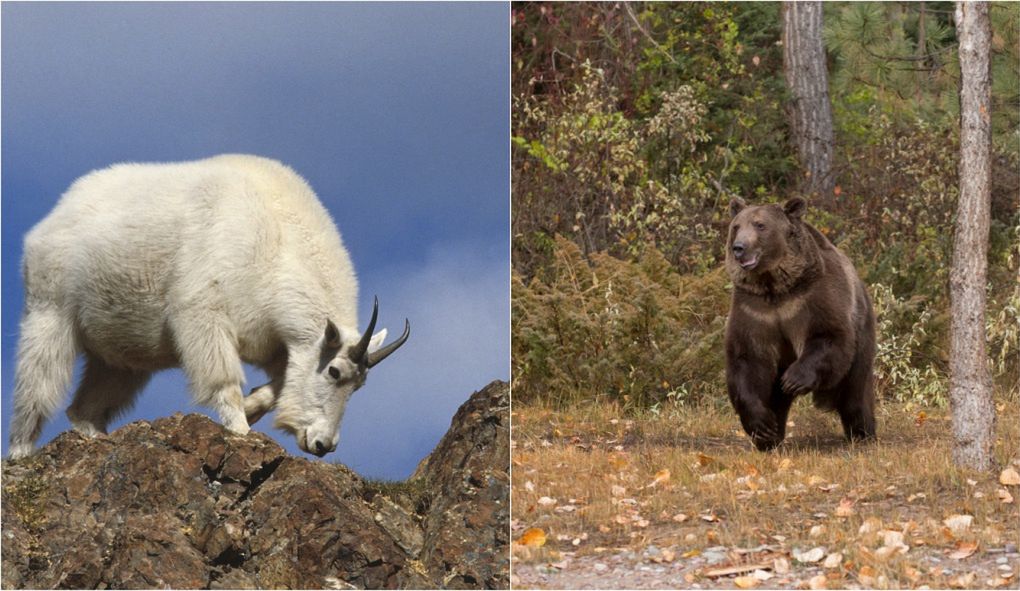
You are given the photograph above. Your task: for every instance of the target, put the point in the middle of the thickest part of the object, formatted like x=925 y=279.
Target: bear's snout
x=746 y=259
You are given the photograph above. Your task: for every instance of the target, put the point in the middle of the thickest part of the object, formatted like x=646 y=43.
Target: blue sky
x=396 y=113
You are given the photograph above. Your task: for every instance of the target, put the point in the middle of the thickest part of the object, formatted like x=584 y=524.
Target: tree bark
x=970 y=388
x=810 y=112
x=922 y=50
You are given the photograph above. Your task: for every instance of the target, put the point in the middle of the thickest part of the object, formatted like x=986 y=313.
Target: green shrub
x=603 y=328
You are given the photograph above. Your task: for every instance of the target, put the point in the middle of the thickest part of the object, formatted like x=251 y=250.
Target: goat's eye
x=334 y=373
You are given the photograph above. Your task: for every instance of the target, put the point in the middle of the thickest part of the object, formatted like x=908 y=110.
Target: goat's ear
x=377 y=341
x=331 y=340
x=794 y=208
x=736 y=204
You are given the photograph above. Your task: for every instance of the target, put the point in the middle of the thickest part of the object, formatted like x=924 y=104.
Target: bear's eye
x=759 y=226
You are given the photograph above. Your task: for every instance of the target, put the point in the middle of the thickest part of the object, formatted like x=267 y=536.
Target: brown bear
x=801 y=321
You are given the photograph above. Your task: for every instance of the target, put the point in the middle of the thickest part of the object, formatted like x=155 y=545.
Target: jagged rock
x=182 y=503
x=467 y=527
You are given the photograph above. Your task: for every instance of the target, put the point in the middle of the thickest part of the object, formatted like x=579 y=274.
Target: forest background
x=635 y=124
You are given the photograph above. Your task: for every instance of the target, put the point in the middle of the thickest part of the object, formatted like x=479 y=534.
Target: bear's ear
x=794 y=208
x=736 y=204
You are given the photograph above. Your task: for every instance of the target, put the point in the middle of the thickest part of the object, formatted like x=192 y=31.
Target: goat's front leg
x=260 y=401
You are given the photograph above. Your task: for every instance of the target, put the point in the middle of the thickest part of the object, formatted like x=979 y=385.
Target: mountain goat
x=199 y=265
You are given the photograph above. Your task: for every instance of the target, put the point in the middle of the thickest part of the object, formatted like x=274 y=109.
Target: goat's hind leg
x=46 y=351
x=104 y=393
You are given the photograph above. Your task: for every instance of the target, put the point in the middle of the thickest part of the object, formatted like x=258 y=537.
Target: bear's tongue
x=748 y=264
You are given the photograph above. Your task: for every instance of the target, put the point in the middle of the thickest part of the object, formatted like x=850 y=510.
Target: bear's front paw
x=798 y=379
x=764 y=431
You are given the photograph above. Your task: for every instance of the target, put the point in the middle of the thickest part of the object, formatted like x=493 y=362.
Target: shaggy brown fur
x=801 y=321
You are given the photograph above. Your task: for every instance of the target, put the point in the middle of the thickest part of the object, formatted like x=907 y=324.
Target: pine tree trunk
x=970 y=388
x=922 y=50
x=810 y=111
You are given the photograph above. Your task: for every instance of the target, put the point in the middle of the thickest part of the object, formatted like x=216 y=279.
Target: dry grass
x=596 y=470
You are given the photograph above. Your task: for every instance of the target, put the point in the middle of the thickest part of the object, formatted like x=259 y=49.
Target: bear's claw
x=797 y=381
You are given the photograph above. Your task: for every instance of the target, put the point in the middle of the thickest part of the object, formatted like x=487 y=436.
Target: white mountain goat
x=199 y=265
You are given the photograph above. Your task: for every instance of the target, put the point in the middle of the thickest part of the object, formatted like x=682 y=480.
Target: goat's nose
x=738 y=248
x=320 y=448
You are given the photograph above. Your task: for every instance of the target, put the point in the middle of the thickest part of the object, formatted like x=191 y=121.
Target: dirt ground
x=680 y=500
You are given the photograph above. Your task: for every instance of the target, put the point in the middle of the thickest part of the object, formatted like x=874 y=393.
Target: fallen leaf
x=871 y=524
x=680 y=518
x=818 y=582
x=963 y=581
x=617 y=491
x=886 y=552
x=958 y=524
x=845 y=508
x=546 y=501
x=866 y=576
x=814 y=480
x=921 y=418
x=704 y=460
x=746 y=582
x=892 y=538
x=618 y=461
x=661 y=477
x=963 y=550
x=762 y=575
x=833 y=560
x=532 y=537
x=811 y=556
x=725 y=571
x=690 y=554
x=1004 y=495
x=711 y=517
x=529 y=486
x=1009 y=477
x=781 y=565
x=785 y=464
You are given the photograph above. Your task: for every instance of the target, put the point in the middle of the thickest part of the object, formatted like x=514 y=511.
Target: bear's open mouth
x=749 y=263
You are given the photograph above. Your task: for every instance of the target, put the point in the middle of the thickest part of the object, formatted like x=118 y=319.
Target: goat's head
x=312 y=402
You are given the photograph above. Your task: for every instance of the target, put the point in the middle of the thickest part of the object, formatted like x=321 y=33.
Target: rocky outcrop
x=182 y=503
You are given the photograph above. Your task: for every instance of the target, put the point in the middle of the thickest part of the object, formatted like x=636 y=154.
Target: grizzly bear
x=800 y=321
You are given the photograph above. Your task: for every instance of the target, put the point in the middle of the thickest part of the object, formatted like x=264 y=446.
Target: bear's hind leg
x=855 y=402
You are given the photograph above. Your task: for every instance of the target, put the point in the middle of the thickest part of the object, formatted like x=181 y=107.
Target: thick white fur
x=200 y=265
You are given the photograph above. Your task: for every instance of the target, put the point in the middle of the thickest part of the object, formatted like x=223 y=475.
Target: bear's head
x=762 y=238
x=760 y=235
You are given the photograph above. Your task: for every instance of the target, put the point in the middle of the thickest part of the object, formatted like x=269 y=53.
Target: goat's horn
x=377 y=356
x=357 y=353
